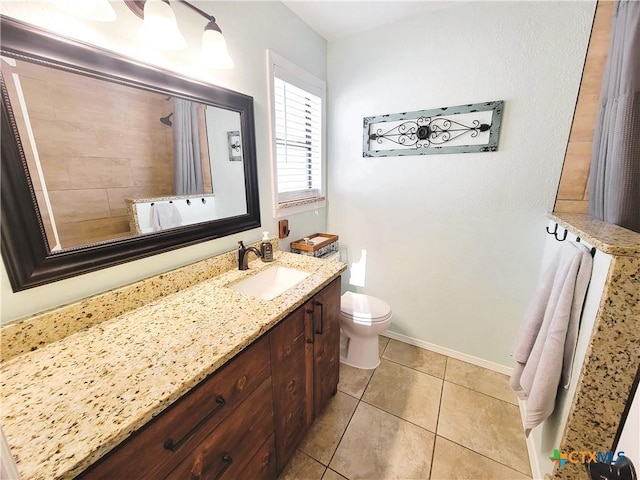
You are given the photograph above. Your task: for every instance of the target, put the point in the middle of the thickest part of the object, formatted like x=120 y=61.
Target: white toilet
x=362 y=318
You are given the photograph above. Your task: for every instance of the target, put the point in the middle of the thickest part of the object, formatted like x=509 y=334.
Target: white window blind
x=298 y=143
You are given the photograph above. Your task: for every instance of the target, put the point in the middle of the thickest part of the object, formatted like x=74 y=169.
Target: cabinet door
x=291 y=383
x=326 y=327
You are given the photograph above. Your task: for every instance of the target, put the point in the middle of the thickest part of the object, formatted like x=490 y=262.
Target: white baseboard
x=496 y=367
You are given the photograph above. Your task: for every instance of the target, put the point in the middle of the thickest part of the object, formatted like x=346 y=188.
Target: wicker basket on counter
x=316 y=245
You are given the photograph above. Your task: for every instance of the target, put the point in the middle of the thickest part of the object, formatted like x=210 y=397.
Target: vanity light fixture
x=98 y=10
x=161 y=29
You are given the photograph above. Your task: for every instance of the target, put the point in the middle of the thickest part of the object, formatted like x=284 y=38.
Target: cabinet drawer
x=228 y=450
x=159 y=446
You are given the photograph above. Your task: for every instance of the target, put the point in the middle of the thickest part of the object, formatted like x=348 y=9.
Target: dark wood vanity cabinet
x=305 y=362
x=291 y=347
x=245 y=420
x=326 y=346
x=196 y=419
x=230 y=447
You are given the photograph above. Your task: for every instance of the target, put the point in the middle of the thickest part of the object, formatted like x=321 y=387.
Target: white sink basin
x=270 y=283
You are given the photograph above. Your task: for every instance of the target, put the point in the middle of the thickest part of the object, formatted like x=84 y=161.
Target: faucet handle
x=240 y=245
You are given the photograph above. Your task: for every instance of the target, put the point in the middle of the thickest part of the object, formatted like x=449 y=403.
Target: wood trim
x=572 y=195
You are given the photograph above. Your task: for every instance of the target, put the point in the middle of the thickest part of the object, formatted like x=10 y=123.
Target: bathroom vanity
x=204 y=383
x=224 y=427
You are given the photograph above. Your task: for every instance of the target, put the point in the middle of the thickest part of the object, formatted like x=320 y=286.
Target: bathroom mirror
x=87 y=147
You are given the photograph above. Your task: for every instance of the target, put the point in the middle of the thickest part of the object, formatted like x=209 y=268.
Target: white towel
x=165 y=215
x=545 y=345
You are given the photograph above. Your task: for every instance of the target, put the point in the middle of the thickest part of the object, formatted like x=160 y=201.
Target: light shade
x=99 y=10
x=214 y=47
x=160 y=28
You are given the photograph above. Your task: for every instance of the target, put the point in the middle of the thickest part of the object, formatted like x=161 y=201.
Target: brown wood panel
x=190 y=420
x=79 y=205
x=572 y=191
x=75 y=120
x=205 y=163
x=326 y=308
x=289 y=372
x=78 y=233
x=572 y=206
x=577 y=171
x=263 y=464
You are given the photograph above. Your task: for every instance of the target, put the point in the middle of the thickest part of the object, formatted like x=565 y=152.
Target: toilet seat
x=364 y=309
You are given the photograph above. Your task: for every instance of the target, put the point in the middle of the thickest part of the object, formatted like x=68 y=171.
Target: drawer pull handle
x=227 y=463
x=169 y=445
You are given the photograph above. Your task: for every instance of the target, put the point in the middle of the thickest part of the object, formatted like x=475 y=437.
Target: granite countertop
x=67 y=404
x=606 y=237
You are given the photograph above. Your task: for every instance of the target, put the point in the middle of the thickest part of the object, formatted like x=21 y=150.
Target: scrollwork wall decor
x=461 y=129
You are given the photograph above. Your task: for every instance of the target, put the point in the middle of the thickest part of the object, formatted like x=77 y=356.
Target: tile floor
x=419 y=415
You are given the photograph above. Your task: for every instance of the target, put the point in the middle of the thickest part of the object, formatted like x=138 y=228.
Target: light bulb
x=214 y=48
x=160 y=28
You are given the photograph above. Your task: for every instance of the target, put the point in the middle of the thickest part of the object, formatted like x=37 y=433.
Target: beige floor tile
x=301 y=466
x=407 y=393
x=382 y=343
x=353 y=380
x=415 y=357
x=479 y=379
x=331 y=475
x=483 y=424
x=378 y=445
x=325 y=433
x=453 y=462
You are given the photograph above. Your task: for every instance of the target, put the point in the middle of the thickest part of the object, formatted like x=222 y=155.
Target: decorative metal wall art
x=235 y=147
x=461 y=129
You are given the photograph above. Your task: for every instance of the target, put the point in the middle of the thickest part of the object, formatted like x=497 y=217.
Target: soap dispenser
x=266 y=249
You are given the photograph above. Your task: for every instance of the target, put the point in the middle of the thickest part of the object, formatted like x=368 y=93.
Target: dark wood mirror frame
x=27 y=258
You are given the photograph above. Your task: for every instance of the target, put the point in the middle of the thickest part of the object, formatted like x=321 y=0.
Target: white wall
x=229 y=190
x=454 y=242
x=250 y=28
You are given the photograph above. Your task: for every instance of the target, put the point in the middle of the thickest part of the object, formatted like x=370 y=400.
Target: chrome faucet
x=243 y=252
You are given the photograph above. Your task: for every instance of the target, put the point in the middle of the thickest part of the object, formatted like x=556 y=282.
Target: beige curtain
x=186 y=148
x=614 y=179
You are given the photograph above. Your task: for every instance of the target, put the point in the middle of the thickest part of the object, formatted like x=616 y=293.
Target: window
x=297 y=123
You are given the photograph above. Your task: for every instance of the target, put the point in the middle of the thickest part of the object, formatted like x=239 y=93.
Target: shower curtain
x=186 y=148
x=614 y=178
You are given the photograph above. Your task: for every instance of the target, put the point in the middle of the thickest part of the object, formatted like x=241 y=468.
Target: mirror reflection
x=109 y=161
